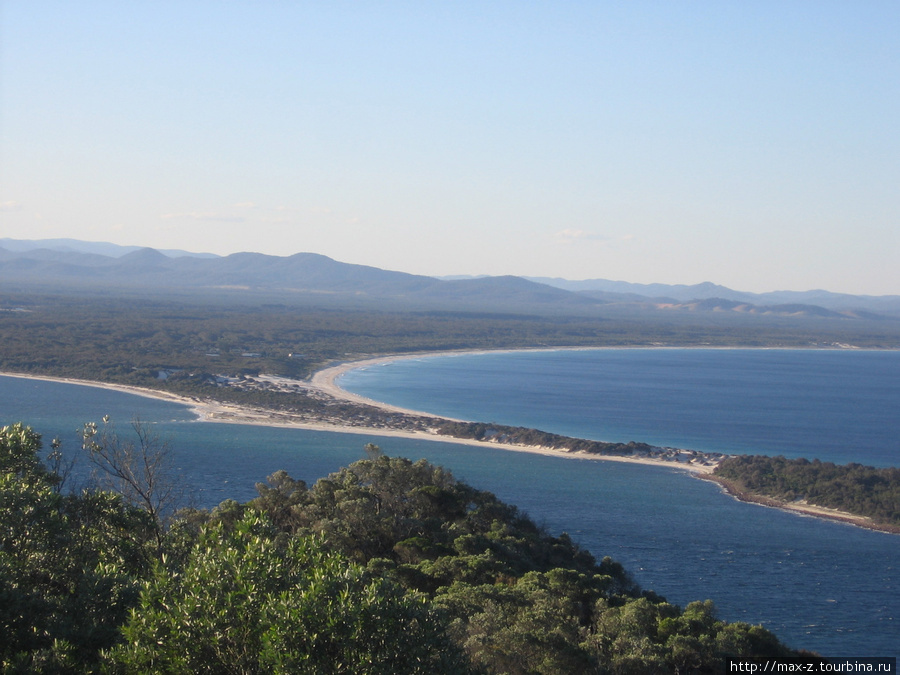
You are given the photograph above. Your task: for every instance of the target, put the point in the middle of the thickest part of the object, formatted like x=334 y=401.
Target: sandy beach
x=324 y=383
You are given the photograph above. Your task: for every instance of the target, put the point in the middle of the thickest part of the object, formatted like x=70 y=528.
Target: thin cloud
x=10 y=206
x=245 y=205
x=204 y=216
x=573 y=235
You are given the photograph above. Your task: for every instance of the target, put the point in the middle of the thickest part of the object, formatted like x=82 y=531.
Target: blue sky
x=753 y=144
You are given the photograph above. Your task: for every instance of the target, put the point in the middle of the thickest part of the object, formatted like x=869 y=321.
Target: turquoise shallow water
x=818 y=585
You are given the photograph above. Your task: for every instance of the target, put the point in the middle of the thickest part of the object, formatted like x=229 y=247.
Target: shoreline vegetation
x=384 y=566
x=341 y=411
x=816 y=488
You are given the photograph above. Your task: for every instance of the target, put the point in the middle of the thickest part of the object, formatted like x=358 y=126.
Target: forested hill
x=147 y=270
x=386 y=566
x=89 y=267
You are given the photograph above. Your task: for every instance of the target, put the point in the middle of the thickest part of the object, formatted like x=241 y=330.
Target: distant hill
x=98 y=247
x=302 y=274
x=74 y=265
x=677 y=292
x=687 y=297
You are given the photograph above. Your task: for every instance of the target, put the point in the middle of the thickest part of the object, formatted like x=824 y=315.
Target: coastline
x=802 y=507
x=325 y=379
x=323 y=382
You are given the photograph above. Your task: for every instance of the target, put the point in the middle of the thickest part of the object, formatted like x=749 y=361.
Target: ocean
x=818 y=585
x=838 y=406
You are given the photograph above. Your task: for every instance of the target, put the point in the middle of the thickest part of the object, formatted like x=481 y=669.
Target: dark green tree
x=69 y=564
x=249 y=600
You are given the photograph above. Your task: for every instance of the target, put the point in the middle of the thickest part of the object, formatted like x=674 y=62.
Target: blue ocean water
x=817 y=584
x=839 y=406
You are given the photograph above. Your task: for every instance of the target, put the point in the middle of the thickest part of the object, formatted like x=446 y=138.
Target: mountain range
x=78 y=265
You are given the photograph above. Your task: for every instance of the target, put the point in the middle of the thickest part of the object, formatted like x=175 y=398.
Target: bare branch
x=140 y=471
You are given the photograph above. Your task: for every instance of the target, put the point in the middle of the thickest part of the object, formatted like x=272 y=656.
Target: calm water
x=838 y=406
x=818 y=585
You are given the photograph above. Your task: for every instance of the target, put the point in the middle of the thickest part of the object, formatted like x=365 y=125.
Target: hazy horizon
x=753 y=146
x=124 y=249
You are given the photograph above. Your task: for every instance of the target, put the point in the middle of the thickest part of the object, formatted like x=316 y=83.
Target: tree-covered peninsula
x=872 y=494
x=386 y=566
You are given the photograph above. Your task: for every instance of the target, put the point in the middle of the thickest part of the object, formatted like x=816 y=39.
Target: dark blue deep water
x=817 y=584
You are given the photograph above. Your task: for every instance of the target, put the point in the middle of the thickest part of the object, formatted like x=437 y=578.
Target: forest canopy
x=386 y=566
x=852 y=488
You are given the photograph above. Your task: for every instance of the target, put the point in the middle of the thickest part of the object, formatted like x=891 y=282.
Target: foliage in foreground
x=853 y=488
x=386 y=566
x=247 y=600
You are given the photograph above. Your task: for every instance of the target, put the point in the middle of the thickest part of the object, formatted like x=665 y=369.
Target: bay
x=834 y=405
x=818 y=585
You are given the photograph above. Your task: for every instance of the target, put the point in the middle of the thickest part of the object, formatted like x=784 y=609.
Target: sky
x=750 y=144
